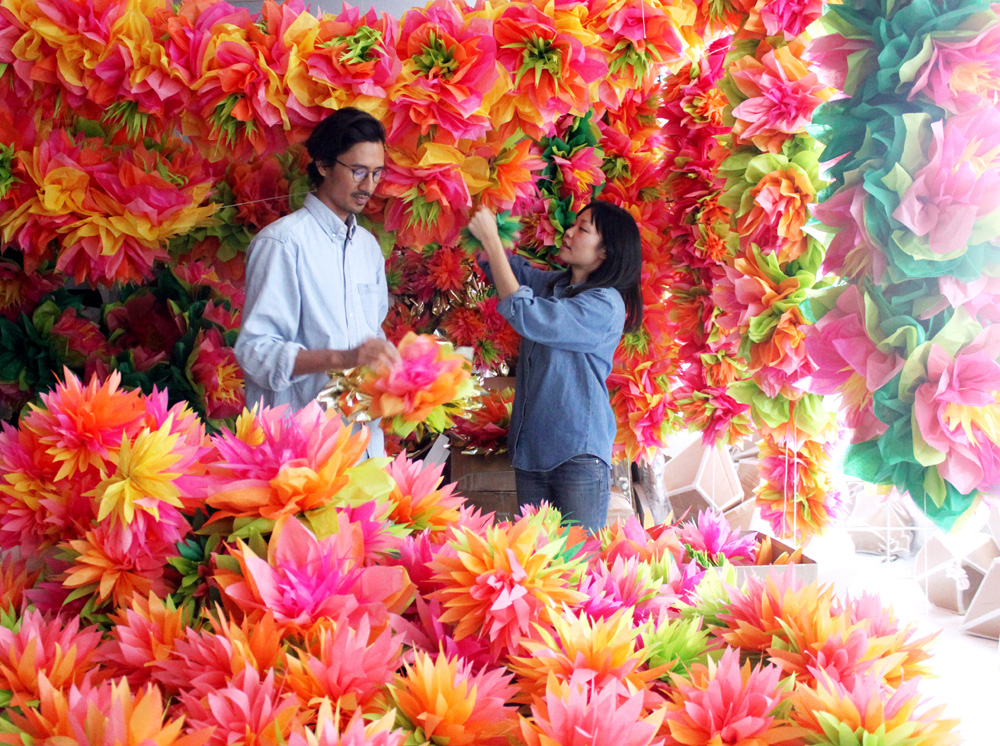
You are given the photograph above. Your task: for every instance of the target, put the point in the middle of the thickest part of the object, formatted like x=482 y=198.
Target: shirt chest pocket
x=372 y=298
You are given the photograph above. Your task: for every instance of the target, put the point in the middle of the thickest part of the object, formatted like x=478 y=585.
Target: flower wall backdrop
x=260 y=586
x=142 y=145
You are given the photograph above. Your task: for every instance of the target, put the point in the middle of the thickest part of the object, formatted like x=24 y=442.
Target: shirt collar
x=328 y=219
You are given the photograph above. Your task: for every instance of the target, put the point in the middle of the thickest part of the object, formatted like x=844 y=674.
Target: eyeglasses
x=360 y=173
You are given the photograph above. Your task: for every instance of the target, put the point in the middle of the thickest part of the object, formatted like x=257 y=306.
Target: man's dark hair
x=339 y=132
x=622 y=265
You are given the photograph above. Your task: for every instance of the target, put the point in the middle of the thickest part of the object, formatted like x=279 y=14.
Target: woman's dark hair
x=622 y=265
x=338 y=133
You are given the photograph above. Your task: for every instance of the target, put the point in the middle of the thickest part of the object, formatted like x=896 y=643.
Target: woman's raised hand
x=483 y=226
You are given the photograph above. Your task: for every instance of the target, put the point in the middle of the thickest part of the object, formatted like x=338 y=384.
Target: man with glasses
x=316 y=293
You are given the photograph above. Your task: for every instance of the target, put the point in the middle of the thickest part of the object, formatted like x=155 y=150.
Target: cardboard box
x=620 y=508
x=741 y=516
x=887 y=531
x=498 y=383
x=486 y=481
x=806 y=570
x=983 y=617
x=951 y=578
x=701 y=477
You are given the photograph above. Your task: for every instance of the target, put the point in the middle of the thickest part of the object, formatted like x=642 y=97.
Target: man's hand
x=376 y=354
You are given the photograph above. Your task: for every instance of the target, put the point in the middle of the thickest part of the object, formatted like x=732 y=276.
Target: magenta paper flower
x=960 y=74
x=788 y=17
x=781 y=95
x=725 y=703
x=305 y=580
x=849 y=363
x=980 y=297
x=954 y=197
x=710 y=533
x=834 y=56
x=956 y=410
x=624 y=584
x=852 y=251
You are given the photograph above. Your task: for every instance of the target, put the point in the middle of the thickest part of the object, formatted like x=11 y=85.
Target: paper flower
x=602 y=651
x=94 y=713
x=45 y=651
x=498 y=584
x=441 y=700
x=112 y=209
x=216 y=376
x=959 y=72
x=250 y=704
x=839 y=713
x=449 y=76
x=553 y=62
x=328 y=732
x=430 y=196
x=954 y=409
x=305 y=580
x=354 y=62
x=484 y=428
x=642 y=409
x=346 y=666
x=778 y=95
x=581 y=713
x=953 y=198
x=419 y=500
x=264 y=479
x=674 y=645
x=425 y=389
x=711 y=535
x=727 y=703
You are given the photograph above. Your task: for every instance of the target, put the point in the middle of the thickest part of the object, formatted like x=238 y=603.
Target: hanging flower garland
x=914 y=221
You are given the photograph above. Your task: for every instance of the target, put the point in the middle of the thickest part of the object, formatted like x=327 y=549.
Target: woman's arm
x=484 y=227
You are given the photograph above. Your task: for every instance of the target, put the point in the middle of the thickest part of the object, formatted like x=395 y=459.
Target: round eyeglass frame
x=360 y=173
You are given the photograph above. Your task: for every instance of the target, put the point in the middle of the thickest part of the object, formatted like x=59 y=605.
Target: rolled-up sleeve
x=271 y=316
x=577 y=324
x=523 y=271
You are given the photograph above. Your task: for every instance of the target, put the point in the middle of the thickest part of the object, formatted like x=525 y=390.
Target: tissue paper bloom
x=959 y=73
x=99 y=713
x=497 y=585
x=423 y=388
x=580 y=712
x=449 y=74
x=305 y=580
x=605 y=651
x=773 y=17
x=953 y=200
x=297 y=462
x=419 y=501
x=726 y=703
x=780 y=210
x=249 y=704
x=849 y=363
x=441 y=699
x=553 y=61
x=50 y=650
x=429 y=195
x=216 y=376
x=956 y=412
x=354 y=63
x=642 y=410
x=780 y=95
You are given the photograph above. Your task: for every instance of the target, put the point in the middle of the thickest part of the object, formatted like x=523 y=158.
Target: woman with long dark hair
x=562 y=426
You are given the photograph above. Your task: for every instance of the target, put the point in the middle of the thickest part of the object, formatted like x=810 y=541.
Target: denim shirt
x=561 y=405
x=312 y=282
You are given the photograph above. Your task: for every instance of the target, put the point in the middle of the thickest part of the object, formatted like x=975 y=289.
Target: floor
x=967 y=668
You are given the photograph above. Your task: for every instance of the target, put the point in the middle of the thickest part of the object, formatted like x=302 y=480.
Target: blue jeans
x=580 y=488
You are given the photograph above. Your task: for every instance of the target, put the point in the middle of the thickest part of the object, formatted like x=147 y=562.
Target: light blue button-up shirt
x=312 y=283
x=561 y=405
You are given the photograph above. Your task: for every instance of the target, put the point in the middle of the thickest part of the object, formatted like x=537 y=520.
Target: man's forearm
x=320 y=361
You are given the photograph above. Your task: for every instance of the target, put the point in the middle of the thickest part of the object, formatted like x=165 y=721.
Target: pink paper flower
x=956 y=410
x=849 y=363
x=959 y=186
x=306 y=580
x=781 y=95
x=960 y=74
